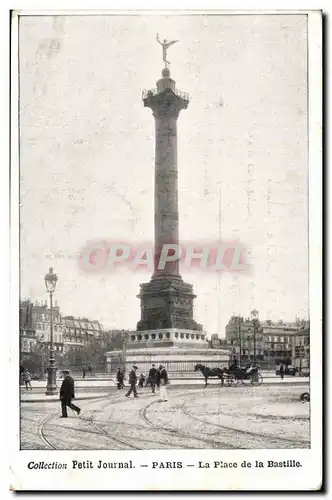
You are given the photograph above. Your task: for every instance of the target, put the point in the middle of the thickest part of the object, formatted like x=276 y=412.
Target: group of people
x=158 y=377
x=86 y=370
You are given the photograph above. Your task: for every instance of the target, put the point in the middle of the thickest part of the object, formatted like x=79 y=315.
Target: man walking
x=163 y=377
x=119 y=378
x=67 y=394
x=282 y=372
x=153 y=378
x=132 y=382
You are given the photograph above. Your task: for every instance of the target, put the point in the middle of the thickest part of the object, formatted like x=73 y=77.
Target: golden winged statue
x=165 y=45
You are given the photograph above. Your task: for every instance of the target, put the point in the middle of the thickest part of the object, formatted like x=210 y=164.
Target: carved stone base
x=168 y=337
x=167 y=303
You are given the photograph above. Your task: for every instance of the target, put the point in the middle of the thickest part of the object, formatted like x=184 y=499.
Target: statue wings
x=171 y=43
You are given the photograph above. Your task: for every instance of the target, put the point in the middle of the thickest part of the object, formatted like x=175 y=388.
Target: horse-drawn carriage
x=232 y=375
x=249 y=376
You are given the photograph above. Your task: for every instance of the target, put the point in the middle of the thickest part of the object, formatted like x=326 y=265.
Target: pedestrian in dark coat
x=141 y=380
x=153 y=378
x=84 y=372
x=158 y=378
x=132 y=382
x=163 y=382
x=67 y=394
x=282 y=372
x=119 y=378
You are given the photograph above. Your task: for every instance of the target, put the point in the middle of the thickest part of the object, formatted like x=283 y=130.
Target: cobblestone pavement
x=222 y=418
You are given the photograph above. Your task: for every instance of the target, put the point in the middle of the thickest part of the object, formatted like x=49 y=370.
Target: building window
x=160 y=335
x=146 y=337
x=133 y=338
x=139 y=337
x=168 y=335
x=181 y=335
x=192 y=336
x=153 y=336
x=187 y=335
x=176 y=335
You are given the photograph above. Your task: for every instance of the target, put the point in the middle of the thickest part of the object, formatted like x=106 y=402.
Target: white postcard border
x=304 y=478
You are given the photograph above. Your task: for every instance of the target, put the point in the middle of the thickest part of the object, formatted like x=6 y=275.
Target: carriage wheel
x=246 y=381
x=256 y=379
x=305 y=397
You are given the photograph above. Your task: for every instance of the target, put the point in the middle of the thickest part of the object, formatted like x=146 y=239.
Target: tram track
x=179 y=433
x=42 y=433
x=256 y=435
x=175 y=432
x=232 y=434
x=98 y=430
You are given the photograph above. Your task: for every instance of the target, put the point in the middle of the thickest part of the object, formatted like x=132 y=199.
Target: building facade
x=41 y=318
x=28 y=338
x=81 y=332
x=274 y=343
x=68 y=332
x=301 y=348
x=245 y=338
x=278 y=342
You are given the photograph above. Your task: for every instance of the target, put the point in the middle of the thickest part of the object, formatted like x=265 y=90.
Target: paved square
x=221 y=418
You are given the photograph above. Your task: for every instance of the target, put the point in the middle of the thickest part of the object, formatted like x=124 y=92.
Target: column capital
x=167 y=103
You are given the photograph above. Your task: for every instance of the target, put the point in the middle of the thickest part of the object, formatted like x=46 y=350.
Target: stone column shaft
x=166 y=191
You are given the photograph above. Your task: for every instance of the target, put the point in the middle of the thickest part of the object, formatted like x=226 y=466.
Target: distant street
x=269 y=416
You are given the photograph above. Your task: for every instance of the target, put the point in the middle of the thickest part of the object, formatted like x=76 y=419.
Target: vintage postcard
x=166 y=250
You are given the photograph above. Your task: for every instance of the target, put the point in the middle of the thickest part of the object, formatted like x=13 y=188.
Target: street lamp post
x=50 y=283
x=254 y=319
x=300 y=368
x=124 y=349
x=240 y=341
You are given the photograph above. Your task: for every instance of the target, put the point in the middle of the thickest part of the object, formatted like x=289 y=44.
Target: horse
x=210 y=372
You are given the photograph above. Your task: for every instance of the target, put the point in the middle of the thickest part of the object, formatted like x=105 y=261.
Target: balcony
x=177 y=92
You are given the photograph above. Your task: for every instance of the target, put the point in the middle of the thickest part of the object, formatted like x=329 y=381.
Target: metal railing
x=151 y=92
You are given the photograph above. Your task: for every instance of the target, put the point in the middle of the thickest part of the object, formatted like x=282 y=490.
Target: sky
x=87 y=157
